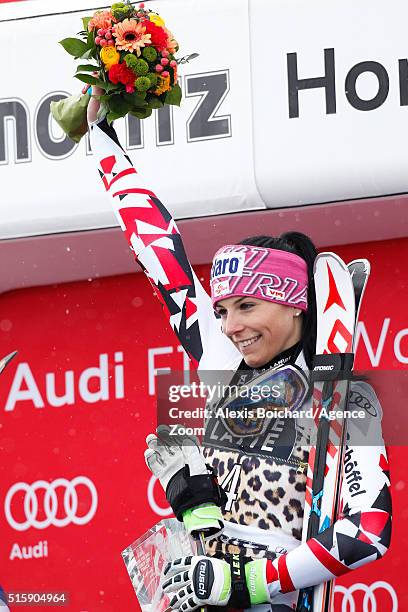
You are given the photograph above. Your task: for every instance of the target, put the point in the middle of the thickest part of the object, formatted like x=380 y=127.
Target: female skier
x=255 y=329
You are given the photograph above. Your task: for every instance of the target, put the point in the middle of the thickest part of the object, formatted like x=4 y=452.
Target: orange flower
x=130 y=36
x=175 y=72
x=163 y=85
x=172 y=45
x=101 y=19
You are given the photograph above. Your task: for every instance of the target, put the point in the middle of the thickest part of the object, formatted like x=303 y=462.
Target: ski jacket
x=266 y=494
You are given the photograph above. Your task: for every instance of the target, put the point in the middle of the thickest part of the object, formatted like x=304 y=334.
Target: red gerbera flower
x=159 y=38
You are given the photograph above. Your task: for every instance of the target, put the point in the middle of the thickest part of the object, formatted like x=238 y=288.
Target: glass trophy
x=147 y=556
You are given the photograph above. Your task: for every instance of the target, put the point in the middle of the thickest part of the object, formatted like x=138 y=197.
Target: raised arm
x=156 y=242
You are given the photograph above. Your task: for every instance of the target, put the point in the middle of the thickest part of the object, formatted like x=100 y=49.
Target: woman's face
x=259 y=329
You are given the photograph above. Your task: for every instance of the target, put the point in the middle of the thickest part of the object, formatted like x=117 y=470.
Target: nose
x=232 y=324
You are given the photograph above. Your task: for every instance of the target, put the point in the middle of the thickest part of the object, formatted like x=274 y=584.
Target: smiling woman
x=260 y=330
x=263 y=294
x=273 y=308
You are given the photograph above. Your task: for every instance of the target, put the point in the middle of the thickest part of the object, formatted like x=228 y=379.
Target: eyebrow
x=237 y=301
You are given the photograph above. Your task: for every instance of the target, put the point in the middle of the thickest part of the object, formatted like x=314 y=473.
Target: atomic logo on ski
x=334 y=295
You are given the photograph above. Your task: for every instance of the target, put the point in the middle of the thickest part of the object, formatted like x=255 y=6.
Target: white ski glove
x=196 y=581
x=234 y=581
x=190 y=485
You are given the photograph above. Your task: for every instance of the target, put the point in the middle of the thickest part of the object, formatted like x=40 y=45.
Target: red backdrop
x=62 y=331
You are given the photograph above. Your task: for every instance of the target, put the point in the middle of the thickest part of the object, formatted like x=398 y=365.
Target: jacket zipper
x=301 y=466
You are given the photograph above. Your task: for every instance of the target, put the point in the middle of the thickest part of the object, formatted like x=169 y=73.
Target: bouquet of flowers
x=131 y=56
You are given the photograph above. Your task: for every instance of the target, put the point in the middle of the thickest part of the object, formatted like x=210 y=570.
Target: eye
x=220 y=312
x=246 y=305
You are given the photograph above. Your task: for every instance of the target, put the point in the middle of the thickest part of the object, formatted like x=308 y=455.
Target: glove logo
x=252 y=581
x=201 y=579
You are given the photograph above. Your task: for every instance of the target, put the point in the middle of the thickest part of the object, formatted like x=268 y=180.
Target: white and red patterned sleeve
x=156 y=242
x=363 y=531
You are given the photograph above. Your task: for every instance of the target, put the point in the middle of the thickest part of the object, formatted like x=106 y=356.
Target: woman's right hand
x=94 y=103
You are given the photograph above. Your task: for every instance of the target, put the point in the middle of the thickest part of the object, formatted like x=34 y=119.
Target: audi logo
x=370 y=600
x=50 y=503
x=152 y=501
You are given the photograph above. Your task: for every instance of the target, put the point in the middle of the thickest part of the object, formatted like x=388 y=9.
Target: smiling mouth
x=243 y=344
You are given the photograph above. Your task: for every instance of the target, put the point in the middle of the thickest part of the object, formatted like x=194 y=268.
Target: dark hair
x=300 y=244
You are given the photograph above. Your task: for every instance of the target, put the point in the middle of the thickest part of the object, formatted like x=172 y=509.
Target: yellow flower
x=157 y=20
x=163 y=85
x=109 y=56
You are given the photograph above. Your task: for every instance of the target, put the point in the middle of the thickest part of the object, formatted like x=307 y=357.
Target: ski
x=6 y=360
x=339 y=292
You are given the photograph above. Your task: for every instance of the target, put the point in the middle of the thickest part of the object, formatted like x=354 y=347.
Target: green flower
x=139 y=66
x=149 y=53
x=121 y=11
x=130 y=60
x=143 y=83
x=152 y=78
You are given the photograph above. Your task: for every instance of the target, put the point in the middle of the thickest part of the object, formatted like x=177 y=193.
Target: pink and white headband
x=241 y=270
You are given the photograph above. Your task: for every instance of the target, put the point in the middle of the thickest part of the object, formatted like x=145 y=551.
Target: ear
x=297 y=313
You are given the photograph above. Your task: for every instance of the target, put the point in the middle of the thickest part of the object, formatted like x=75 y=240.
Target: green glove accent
x=226 y=591
x=255 y=574
x=206 y=518
x=70 y=114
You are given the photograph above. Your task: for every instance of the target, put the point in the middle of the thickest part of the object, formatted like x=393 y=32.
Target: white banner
x=330 y=99
x=197 y=158
x=288 y=104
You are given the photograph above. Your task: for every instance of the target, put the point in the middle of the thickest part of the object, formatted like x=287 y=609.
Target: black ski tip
x=6 y=360
x=361 y=266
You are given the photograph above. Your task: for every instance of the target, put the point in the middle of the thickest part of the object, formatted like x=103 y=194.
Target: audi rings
x=50 y=503
x=370 y=599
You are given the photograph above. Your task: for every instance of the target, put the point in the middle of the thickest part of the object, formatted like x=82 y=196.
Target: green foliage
x=142 y=114
x=109 y=87
x=90 y=54
x=153 y=101
x=85 y=21
x=90 y=39
x=111 y=116
x=119 y=105
x=174 y=96
x=74 y=46
x=135 y=100
x=87 y=68
x=91 y=80
x=187 y=58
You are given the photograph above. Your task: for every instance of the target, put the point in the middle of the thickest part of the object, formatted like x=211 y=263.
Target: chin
x=253 y=361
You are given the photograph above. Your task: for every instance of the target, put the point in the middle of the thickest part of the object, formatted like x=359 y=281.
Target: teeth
x=246 y=343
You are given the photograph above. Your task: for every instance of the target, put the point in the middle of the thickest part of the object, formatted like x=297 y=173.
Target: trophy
x=146 y=558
